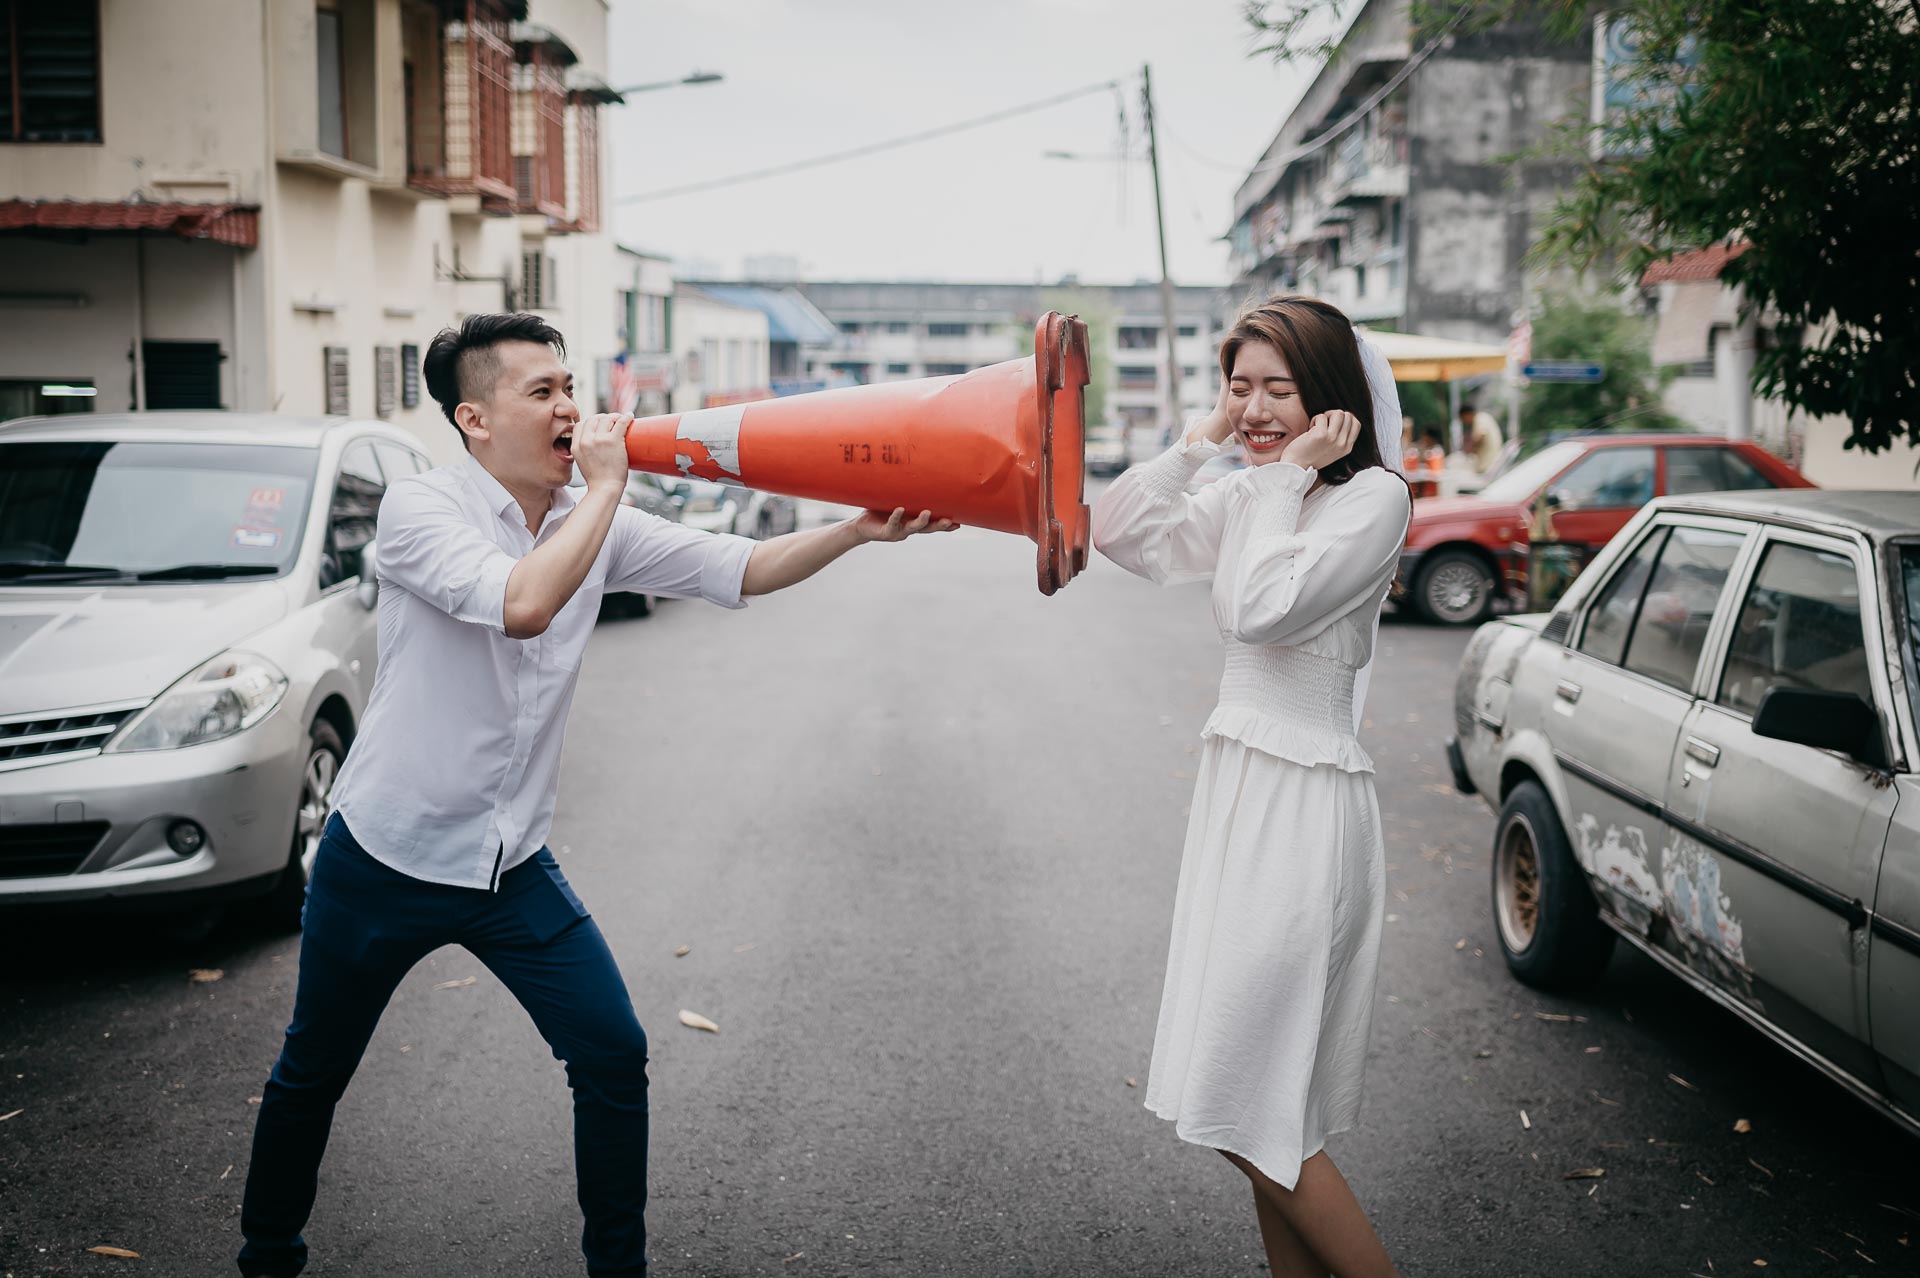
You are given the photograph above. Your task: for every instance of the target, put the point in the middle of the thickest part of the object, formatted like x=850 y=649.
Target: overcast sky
x=807 y=77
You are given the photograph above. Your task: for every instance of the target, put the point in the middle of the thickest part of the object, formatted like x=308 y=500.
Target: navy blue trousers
x=365 y=926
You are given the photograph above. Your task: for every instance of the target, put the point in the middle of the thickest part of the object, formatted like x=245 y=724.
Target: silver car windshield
x=113 y=512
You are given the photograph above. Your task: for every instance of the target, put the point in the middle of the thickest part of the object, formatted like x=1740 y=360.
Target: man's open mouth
x=564 y=445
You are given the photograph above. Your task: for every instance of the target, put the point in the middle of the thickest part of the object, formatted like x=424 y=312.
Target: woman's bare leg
x=1325 y=1217
x=1287 y=1256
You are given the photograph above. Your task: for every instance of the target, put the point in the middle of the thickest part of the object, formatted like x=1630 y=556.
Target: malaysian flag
x=622 y=391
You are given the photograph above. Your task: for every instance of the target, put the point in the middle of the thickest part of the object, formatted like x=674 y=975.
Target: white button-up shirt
x=453 y=773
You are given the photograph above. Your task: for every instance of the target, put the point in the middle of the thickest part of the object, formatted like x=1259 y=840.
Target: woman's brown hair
x=1323 y=356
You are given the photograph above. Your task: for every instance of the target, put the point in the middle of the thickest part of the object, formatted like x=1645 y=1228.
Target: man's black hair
x=460 y=363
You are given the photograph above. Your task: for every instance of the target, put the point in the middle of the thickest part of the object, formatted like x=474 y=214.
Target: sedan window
x=354 y=515
x=1609 y=479
x=1614 y=607
x=1710 y=470
x=1686 y=587
x=1910 y=588
x=1799 y=627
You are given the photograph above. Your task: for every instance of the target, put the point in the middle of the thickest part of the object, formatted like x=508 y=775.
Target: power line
x=872 y=148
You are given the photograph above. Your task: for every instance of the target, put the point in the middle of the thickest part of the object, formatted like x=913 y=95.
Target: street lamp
x=697 y=77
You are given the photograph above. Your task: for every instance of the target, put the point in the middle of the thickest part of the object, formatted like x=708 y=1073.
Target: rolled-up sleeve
x=655 y=556
x=426 y=547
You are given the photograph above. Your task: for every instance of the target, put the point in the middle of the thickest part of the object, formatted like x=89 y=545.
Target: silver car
x=1709 y=749
x=186 y=647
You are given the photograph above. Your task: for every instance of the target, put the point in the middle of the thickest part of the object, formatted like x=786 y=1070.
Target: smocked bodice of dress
x=1299 y=574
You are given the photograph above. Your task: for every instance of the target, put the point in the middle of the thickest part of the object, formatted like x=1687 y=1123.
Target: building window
x=1189 y=330
x=539 y=290
x=947 y=330
x=334 y=377
x=1359 y=281
x=479 y=102
x=1139 y=337
x=409 y=376
x=38 y=397
x=898 y=328
x=386 y=380
x=49 y=71
x=540 y=124
x=860 y=373
x=583 y=164
x=1704 y=367
x=899 y=370
x=182 y=374
x=332 y=70
x=852 y=328
x=945 y=370
x=1137 y=377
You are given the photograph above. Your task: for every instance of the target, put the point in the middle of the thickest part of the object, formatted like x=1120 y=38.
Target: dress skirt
x=1268 y=1005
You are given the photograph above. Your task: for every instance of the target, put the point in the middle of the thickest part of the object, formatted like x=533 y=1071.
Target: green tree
x=1788 y=126
x=1596 y=329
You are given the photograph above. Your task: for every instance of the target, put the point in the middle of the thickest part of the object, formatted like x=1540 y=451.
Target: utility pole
x=1168 y=322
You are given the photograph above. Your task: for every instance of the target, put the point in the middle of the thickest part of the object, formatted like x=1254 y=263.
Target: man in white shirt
x=491 y=572
x=1483 y=440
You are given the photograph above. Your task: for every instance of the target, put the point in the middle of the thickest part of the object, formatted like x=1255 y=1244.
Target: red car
x=1463 y=551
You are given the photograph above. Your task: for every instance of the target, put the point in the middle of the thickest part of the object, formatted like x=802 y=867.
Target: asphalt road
x=920 y=827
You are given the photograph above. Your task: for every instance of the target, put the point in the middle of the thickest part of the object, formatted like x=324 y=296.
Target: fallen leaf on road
x=1603 y=1100
x=1742 y=1126
x=228 y=1172
x=787 y=1260
x=115 y=1251
x=406 y=1047
x=1526 y=1124
x=1592 y=1050
x=1683 y=1082
x=1759 y=1264
x=1132 y=1083
x=1585 y=1173
x=683 y=951
x=1551 y=1016
x=203 y=975
x=693 y=1020
x=1460 y=944
x=1702 y=1175
x=1482 y=1054
x=742 y=949
x=253 y=1100
x=459 y=984
x=15 y=1114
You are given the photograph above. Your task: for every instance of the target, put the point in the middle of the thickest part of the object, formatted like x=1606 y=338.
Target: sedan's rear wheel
x=324 y=754
x=1455 y=588
x=1549 y=925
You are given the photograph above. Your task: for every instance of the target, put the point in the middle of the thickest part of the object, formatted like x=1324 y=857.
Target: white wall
x=698 y=320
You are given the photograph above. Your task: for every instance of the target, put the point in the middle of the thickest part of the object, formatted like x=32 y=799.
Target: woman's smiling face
x=1263 y=403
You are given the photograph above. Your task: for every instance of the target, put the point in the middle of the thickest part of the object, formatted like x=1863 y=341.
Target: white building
x=275 y=204
x=720 y=351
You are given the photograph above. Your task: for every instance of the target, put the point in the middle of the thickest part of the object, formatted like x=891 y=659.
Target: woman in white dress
x=1268 y=1003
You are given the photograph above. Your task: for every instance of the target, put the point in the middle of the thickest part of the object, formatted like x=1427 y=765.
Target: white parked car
x=1709 y=749
x=186 y=646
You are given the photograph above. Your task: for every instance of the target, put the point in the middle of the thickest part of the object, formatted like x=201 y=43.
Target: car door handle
x=1568 y=691
x=1703 y=752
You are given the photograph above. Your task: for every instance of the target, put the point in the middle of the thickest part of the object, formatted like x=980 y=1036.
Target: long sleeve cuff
x=1277 y=489
x=1166 y=477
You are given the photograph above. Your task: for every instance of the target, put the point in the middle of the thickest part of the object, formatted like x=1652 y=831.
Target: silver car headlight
x=229 y=694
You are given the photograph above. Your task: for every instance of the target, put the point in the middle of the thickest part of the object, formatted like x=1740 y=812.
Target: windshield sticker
x=263 y=508
x=256 y=538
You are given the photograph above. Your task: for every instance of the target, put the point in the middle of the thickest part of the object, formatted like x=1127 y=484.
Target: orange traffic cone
x=998 y=448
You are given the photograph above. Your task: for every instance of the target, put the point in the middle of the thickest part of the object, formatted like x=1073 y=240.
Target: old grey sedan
x=186 y=646
x=1709 y=749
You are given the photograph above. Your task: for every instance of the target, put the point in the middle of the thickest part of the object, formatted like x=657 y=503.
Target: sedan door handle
x=1703 y=752
x=1568 y=691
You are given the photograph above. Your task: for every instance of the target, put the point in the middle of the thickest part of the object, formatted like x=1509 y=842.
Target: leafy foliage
x=1791 y=125
x=1570 y=327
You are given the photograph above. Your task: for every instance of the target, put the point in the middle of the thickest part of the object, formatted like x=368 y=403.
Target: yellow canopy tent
x=1436 y=359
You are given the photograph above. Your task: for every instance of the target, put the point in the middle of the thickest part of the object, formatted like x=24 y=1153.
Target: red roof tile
x=1697 y=264
x=236 y=224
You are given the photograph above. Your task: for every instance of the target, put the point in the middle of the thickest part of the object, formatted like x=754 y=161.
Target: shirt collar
x=502 y=502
